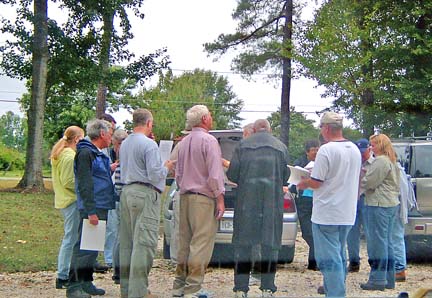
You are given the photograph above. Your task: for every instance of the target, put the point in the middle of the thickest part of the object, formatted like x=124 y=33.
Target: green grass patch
x=30 y=232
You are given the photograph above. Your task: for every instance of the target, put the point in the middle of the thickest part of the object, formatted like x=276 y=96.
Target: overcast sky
x=183 y=27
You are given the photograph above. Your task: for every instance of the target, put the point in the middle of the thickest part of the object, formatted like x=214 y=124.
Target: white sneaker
x=240 y=294
x=200 y=294
x=266 y=293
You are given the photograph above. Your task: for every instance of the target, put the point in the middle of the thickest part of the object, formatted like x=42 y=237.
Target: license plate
x=226 y=225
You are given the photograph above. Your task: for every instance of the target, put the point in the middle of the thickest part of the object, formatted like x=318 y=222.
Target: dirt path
x=292 y=280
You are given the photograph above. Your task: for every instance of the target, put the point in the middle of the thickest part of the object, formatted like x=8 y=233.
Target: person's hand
x=93 y=219
x=220 y=207
x=170 y=164
x=302 y=184
x=225 y=163
x=114 y=166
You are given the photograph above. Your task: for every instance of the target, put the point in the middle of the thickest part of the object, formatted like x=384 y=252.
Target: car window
x=422 y=161
x=402 y=151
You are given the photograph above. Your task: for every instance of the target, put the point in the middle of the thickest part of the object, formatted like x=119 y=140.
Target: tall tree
x=375 y=58
x=264 y=35
x=33 y=179
x=173 y=96
x=74 y=71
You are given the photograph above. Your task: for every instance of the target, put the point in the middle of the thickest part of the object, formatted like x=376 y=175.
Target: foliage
x=375 y=58
x=74 y=70
x=301 y=130
x=13 y=131
x=30 y=244
x=263 y=41
x=173 y=96
x=11 y=159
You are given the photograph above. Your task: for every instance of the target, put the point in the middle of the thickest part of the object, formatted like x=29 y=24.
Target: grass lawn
x=30 y=231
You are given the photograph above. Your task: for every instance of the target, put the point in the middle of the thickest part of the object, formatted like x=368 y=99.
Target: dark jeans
x=353 y=240
x=304 y=212
x=83 y=261
x=243 y=266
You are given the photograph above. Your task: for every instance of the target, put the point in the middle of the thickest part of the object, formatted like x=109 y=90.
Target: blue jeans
x=330 y=253
x=399 y=243
x=71 y=218
x=353 y=240
x=380 y=244
x=111 y=235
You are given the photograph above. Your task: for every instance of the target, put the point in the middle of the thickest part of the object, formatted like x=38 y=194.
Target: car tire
x=166 y=249
x=286 y=254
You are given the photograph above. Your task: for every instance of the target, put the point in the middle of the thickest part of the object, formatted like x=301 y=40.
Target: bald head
x=262 y=125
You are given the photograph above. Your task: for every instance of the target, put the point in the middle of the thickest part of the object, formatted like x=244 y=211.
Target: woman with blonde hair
x=381 y=183
x=63 y=179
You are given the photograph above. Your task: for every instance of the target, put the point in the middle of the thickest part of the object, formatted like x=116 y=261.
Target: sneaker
x=372 y=287
x=76 y=292
x=400 y=276
x=200 y=294
x=177 y=292
x=353 y=267
x=321 y=290
x=91 y=289
x=267 y=293
x=240 y=294
x=61 y=283
x=99 y=268
x=116 y=279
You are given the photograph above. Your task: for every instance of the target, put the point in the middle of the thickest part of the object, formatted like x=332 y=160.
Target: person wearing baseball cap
x=334 y=180
x=353 y=240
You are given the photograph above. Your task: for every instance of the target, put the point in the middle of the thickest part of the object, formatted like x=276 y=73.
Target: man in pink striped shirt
x=200 y=177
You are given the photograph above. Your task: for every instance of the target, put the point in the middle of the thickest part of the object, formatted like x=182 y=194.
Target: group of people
x=126 y=190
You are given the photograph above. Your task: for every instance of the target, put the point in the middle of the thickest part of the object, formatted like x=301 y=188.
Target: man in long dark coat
x=259 y=167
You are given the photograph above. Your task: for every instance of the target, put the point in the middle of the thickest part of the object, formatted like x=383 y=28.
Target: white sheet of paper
x=165 y=147
x=310 y=165
x=93 y=237
x=296 y=174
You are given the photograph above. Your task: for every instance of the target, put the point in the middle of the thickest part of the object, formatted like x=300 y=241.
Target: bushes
x=11 y=159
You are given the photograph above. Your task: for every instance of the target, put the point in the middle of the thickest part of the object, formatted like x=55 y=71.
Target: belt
x=195 y=193
x=151 y=186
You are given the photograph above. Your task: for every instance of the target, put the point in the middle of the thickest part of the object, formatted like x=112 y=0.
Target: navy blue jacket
x=93 y=184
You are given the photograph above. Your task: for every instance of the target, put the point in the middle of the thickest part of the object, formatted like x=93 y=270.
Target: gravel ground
x=292 y=280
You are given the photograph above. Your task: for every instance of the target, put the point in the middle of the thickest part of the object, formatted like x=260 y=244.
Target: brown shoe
x=401 y=276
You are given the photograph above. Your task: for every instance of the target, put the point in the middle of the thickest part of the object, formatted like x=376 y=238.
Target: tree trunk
x=104 y=63
x=286 y=73
x=33 y=179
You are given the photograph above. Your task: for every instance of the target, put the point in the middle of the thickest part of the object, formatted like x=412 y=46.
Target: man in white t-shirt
x=335 y=181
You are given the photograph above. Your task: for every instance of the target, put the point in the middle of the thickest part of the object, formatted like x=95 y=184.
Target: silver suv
x=223 y=251
x=415 y=156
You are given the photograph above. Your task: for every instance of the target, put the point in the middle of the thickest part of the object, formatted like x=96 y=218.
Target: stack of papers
x=297 y=174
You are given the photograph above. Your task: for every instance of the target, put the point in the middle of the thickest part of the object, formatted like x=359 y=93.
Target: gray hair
x=262 y=125
x=119 y=135
x=140 y=117
x=95 y=126
x=194 y=115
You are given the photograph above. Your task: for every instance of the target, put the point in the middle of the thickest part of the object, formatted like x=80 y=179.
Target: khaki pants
x=197 y=232
x=139 y=228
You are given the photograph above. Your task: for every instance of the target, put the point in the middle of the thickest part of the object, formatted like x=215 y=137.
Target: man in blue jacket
x=95 y=196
